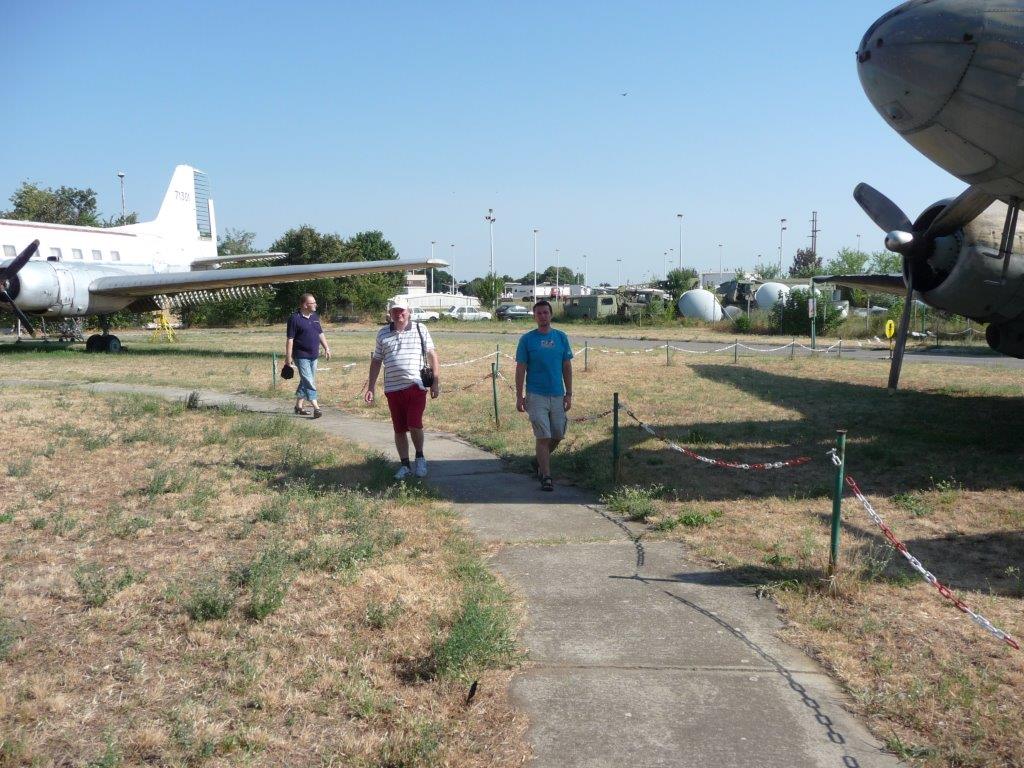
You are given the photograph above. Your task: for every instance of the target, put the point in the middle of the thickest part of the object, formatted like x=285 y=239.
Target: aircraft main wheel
x=112 y=344
x=94 y=343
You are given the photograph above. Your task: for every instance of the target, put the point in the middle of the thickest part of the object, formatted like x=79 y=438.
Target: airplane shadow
x=907 y=442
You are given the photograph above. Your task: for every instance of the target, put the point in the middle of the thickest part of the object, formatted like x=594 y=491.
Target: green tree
x=489 y=289
x=847 y=262
x=885 y=263
x=790 y=316
x=65 y=205
x=565 y=276
x=679 y=281
x=768 y=271
x=806 y=263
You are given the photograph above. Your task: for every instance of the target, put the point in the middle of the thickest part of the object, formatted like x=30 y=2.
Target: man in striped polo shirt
x=403 y=347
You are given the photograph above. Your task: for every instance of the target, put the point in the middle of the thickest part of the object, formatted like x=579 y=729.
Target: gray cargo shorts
x=547 y=415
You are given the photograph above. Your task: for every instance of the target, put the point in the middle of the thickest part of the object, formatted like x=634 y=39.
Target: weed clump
x=689 y=520
x=210 y=599
x=634 y=502
x=98 y=584
x=267 y=579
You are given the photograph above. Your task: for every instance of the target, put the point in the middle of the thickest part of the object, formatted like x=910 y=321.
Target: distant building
x=416 y=295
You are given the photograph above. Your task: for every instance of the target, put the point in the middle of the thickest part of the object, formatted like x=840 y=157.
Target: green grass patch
x=634 y=502
x=99 y=584
x=266 y=578
x=210 y=598
x=255 y=426
x=688 y=520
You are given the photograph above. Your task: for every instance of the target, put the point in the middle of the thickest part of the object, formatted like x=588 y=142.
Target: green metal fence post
x=273 y=370
x=668 y=361
x=792 y=348
x=494 y=392
x=840 y=347
x=736 y=351
x=497 y=357
x=837 y=502
x=615 y=438
x=586 y=355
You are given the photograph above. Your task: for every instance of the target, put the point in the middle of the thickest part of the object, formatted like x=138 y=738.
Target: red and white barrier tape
x=927 y=575
x=716 y=462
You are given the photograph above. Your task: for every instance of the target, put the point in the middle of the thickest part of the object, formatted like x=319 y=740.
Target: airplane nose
x=913 y=58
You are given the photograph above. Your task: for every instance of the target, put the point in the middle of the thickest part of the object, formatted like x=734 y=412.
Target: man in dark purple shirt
x=305 y=337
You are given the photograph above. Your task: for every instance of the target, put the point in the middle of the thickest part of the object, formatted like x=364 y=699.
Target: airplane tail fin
x=186 y=214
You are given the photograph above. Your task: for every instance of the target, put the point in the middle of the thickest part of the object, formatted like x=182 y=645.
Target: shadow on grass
x=129 y=351
x=910 y=441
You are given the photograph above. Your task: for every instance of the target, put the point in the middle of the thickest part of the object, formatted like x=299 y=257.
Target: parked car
x=420 y=315
x=467 y=313
x=512 y=311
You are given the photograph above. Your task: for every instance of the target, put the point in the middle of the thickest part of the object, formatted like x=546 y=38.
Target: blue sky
x=415 y=118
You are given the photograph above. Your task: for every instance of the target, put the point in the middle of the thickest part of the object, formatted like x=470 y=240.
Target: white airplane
x=81 y=271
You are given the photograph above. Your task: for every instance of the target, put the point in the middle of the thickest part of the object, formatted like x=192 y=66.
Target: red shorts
x=407 y=406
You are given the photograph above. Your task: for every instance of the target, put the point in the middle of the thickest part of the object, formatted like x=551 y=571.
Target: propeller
x=915 y=245
x=7 y=273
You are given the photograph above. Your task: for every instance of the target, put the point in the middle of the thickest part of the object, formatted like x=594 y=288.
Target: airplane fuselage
x=948 y=76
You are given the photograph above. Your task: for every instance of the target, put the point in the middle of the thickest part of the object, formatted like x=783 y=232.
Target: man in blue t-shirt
x=544 y=365
x=305 y=337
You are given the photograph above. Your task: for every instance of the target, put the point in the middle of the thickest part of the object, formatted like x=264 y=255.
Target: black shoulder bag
x=426 y=372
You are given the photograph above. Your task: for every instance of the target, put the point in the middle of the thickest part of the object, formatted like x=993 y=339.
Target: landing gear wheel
x=112 y=344
x=94 y=343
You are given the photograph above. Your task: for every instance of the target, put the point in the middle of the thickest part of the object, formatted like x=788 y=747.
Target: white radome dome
x=770 y=294
x=699 y=304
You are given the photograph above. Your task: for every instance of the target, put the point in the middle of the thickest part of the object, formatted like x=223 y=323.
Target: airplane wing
x=203 y=280
x=893 y=284
x=212 y=262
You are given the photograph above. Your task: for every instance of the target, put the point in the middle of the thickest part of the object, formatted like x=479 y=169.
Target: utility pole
x=535 y=231
x=858 y=243
x=489 y=218
x=585 y=280
x=782 y=228
x=453 y=269
x=120 y=175
x=680 y=217
x=814 y=234
x=432 y=243
x=556 y=270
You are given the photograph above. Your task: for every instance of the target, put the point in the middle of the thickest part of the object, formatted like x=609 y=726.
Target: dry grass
x=940 y=461
x=201 y=588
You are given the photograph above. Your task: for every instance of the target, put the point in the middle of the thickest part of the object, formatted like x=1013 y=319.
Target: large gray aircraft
x=948 y=76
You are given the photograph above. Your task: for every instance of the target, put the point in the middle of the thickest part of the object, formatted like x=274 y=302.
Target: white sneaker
x=402 y=473
x=421 y=467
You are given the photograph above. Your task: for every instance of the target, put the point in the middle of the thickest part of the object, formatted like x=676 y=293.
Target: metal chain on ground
x=927 y=575
x=714 y=462
x=592 y=417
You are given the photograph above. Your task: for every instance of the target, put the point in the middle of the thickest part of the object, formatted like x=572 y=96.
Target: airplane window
x=76 y=253
x=97 y=256
x=115 y=255
x=55 y=254
x=10 y=252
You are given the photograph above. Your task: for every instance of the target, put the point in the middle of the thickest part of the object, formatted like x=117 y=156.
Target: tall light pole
x=489 y=218
x=671 y=253
x=120 y=175
x=453 y=269
x=432 y=243
x=556 y=270
x=618 y=279
x=665 y=256
x=585 y=280
x=535 y=231
x=720 y=275
x=782 y=228
x=680 y=217
x=858 y=243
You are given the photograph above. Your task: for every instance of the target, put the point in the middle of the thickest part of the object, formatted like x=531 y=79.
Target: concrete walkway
x=637 y=655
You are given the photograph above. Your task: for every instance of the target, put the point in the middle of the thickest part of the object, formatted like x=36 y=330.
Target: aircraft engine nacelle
x=964 y=270
x=1006 y=338
x=35 y=288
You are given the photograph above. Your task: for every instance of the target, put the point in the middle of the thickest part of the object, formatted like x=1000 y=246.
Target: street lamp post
x=680 y=217
x=618 y=278
x=432 y=243
x=489 y=218
x=120 y=175
x=556 y=270
x=535 y=231
x=720 y=275
x=782 y=228
x=453 y=268
x=671 y=253
x=585 y=280
x=858 y=243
